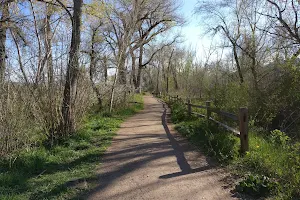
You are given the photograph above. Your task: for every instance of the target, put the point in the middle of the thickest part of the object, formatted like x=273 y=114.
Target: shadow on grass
x=136 y=157
x=39 y=174
x=29 y=167
x=77 y=184
x=122 y=162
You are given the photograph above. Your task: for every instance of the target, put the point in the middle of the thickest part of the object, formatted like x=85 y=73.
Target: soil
x=148 y=159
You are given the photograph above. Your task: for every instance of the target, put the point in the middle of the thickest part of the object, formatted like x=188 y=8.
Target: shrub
x=270 y=159
x=279 y=137
x=216 y=142
x=256 y=185
x=273 y=161
x=179 y=113
x=107 y=114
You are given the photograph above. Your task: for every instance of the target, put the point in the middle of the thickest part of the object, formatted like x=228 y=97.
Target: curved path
x=149 y=160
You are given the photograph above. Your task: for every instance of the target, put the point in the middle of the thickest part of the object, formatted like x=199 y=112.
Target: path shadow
x=179 y=152
x=181 y=160
x=136 y=156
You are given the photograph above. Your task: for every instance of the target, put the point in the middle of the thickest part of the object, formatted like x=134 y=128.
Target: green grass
x=67 y=170
x=274 y=158
x=277 y=161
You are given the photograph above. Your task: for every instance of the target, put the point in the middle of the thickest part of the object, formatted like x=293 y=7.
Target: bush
x=216 y=142
x=280 y=138
x=179 y=112
x=272 y=159
x=224 y=146
x=268 y=157
x=256 y=185
x=107 y=114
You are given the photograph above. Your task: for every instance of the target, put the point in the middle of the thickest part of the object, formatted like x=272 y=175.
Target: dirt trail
x=149 y=160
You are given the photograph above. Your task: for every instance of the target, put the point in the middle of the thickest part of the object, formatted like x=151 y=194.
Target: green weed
x=257 y=185
x=66 y=170
x=272 y=164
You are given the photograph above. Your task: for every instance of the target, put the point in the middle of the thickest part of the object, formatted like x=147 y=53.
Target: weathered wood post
x=208 y=111
x=189 y=107
x=243 y=126
x=169 y=98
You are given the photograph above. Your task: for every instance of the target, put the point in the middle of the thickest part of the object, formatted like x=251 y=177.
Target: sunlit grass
x=67 y=170
x=280 y=162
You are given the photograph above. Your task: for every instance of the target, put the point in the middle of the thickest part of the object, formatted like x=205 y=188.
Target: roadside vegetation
x=271 y=168
x=68 y=72
x=66 y=170
x=60 y=60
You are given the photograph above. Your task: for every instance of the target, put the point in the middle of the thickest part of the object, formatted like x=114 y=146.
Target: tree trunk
x=139 y=74
x=175 y=78
x=112 y=95
x=168 y=72
x=133 y=58
x=121 y=66
x=50 y=74
x=92 y=70
x=48 y=44
x=157 y=80
x=254 y=73
x=238 y=66
x=3 y=29
x=253 y=61
x=19 y=57
x=105 y=69
x=68 y=105
x=139 y=77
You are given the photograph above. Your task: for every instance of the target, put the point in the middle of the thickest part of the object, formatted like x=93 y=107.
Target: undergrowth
x=65 y=171
x=271 y=167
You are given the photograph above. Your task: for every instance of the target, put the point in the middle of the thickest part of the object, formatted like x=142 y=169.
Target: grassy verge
x=271 y=167
x=66 y=170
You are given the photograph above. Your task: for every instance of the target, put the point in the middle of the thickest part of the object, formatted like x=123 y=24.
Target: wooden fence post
x=243 y=125
x=189 y=107
x=208 y=111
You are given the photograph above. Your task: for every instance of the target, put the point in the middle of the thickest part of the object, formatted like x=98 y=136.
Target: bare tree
x=231 y=30
x=68 y=105
x=284 y=16
x=94 y=59
x=4 y=10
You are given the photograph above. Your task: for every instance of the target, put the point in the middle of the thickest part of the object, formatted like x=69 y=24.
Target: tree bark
x=68 y=105
x=3 y=29
x=253 y=60
x=105 y=69
x=121 y=67
x=254 y=73
x=48 y=44
x=238 y=66
x=175 y=78
x=112 y=95
x=168 y=72
x=50 y=74
x=92 y=70
x=139 y=74
x=157 y=79
x=133 y=58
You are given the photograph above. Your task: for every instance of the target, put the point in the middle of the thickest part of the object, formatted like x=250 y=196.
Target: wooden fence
x=241 y=118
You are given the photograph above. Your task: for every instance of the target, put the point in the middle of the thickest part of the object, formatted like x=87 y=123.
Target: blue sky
x=192 y=32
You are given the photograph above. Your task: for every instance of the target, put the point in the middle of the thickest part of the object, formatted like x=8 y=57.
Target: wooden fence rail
x=241 y=118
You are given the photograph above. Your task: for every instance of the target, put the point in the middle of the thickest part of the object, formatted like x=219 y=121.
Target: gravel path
x=149 y=160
